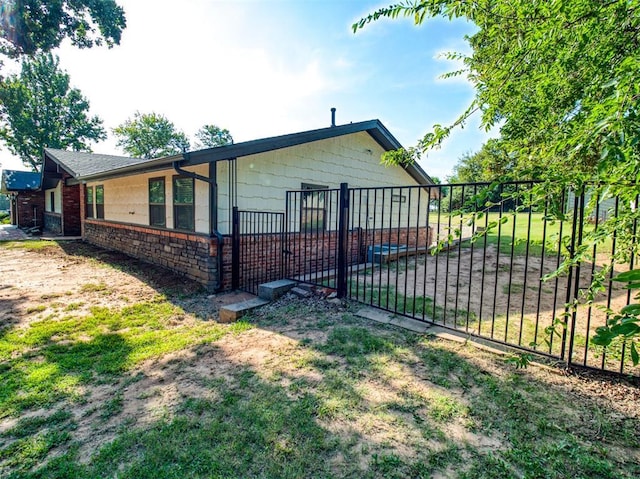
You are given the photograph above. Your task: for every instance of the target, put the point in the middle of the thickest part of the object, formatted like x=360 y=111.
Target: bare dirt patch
x=381 y=406
x=499 y=295
x=79 y=275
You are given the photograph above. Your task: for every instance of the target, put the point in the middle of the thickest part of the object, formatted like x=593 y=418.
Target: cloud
x=197 y=66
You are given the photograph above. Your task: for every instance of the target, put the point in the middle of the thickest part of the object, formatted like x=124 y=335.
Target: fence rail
x=478 y=258
x=257 y=245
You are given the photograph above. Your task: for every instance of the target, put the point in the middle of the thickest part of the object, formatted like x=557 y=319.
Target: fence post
x=235 y=249
x=286 y=252
x=576 y=242
x=343 y=232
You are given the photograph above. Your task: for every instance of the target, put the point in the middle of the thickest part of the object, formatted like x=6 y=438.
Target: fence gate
x=257 y=249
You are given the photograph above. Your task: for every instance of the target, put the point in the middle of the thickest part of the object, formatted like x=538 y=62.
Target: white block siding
x=126 y=199
x=57 y=199
x=263 y=179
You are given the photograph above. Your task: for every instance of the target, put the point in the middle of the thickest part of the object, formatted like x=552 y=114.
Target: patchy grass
x=389 y=298
x=55 y=358
x=73 y=306
x=36 y=309
x=29 y=245
x=94 y=288
x=304 y=389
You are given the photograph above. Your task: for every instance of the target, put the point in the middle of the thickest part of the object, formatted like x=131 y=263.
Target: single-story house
x=46 y=199
x=26 y=201
x=176 y=211
x=62 y=192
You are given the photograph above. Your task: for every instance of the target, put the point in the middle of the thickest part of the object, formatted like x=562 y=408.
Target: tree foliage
x=31 y=26
x=558 y=77
x=38 y=108
x=150 y=135
x=561 y=81
x=625 y=324
x=210 y=136
x=490 y=163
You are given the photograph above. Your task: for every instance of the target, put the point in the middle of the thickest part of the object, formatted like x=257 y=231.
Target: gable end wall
x=26 y=201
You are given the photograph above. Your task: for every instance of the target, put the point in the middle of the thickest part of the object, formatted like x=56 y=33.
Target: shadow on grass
x=347 y=399
x=10 y=314
x=50 y=372
x=514 y=424
x=245 y=427
x=360 y=401
x=160 y=279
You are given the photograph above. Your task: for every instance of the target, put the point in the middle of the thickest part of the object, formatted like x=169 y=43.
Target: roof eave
x=140 y=168
x=221 y=153
x=228 y=152
x=58 y=161
x=6 y=188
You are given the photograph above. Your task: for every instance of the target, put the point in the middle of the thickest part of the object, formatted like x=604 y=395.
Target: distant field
x=518 y=229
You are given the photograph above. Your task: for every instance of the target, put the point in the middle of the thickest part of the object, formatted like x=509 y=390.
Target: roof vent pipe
x=333 y=117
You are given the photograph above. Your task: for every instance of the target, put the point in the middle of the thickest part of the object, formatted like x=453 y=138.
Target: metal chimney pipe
x=333 y=117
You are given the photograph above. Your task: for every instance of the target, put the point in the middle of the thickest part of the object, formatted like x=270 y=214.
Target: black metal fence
x=257 y=245
x=311 y=238
x=478 y=258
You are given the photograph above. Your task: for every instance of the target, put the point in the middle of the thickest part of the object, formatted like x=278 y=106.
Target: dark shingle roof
x=80 y=163
x=373 y=127
x=19 y=180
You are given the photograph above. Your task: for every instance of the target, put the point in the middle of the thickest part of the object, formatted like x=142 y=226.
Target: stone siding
x=190 y=255
x=53 y=223
x=195 y=256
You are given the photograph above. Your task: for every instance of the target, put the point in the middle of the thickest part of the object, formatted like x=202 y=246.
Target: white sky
x=271 y=67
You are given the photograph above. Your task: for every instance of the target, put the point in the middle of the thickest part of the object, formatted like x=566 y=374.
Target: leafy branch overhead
x=28 y=27
x=558 y=78
x=625 y=324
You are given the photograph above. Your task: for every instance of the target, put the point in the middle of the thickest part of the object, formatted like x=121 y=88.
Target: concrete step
x=233 y=312
x=275 y=289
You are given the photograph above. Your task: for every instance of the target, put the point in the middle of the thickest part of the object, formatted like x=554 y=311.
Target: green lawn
x=358 y=400
x=54 y=358
x=303 y=388
x=531 y=228
x=528 y=228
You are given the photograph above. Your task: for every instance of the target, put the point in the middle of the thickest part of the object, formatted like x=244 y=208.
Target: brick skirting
x=308 y=253
x=190 y=255
x=195 y=256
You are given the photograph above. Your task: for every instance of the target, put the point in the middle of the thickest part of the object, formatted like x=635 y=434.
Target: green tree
x=150 y=135
x=38 y=108
x=490 y=163
x=31 y=26
x=210 y=136
x=559 y=77
x=561 y=80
